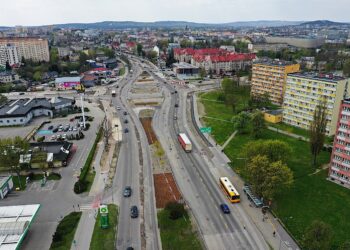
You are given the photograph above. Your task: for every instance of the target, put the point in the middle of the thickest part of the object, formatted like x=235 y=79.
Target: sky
x=44 y=12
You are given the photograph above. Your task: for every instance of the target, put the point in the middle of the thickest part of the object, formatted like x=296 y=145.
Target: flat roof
x=327 y=77
x=67 y=79
x=15 y=221
x=184 y=65
x=270 y=62
x=274 y=112
x=185 y=138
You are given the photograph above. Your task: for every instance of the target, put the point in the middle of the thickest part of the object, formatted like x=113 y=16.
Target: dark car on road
x=134 y=212
x=125 y=113
x=127 y=191
x=225 y=209
x=176 y=105
x=126 y=121
x=126 y=130
x=51 y=127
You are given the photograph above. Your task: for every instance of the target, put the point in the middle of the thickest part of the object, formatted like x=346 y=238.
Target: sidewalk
x=229 y=139
x=282 y=240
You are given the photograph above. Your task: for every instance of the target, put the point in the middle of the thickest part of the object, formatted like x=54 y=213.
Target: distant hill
x=172 y=24
x=323 y=23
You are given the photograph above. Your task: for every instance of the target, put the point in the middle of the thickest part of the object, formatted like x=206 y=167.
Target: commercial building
x=36 y=49
x=339 y=169
x=15 y=222
x=6 y=185
x=185 y=71
x=304 y=91
x=22 y=111
x=65 y=83
x=269 y=77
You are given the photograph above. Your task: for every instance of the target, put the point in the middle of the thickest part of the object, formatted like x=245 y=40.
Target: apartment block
x=304 y=91
x=36 y=49
x=9 y=53
x=339 y=169
x=269 y=76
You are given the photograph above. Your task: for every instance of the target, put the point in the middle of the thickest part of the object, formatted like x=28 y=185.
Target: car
x=64 y=136
x=134 y=212
x=75 y=128
x=118 y=108
x=225 y=209
x=66 y=129
x=55 y=130
x=175 y=91
x=175 y=117
x=127 y=191
x=70 y=128
x=60 y=130
x=125 y=113
x=21 y=93
x=53 y=138
x=51 y=127
x=126 y=130
x=126 y=121
x=176 y=105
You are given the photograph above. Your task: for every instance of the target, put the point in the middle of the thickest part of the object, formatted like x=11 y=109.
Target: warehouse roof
x=15 y=222
x=22 y=107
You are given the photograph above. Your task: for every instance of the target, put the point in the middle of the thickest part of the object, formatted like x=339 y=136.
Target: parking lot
x=63 y=129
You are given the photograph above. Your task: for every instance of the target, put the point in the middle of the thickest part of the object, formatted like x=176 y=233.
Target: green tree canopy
x=274 y=150
x=241 y=122
x=266 y=177
x=318 y=236
x=258 y=124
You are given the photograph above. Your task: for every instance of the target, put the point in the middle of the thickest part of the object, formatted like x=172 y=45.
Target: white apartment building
x=305 y=90
x=9 y=53
x=36 y=49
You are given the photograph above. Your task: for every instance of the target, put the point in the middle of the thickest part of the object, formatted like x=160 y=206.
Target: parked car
x=127 y=191
x=118 y=108
x=176 y=105
x=55 y=130
x=225 y=209
x=53 y=138
x=134 y=212
x=125 y=113
x=51 y=127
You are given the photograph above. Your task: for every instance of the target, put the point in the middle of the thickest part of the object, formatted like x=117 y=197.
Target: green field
x=177 y=234
x=65 y=231
x=104 y=239
x=310 y=198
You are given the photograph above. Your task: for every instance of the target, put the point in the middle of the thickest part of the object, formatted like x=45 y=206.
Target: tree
x=258 y=124
x=241 y=122
x=8 y=66
x=346 y=67
x=202 y=73
x=274 y=150
x=176 y=210
x=345 y=246
x=318 y=130
x=38 y=76
x=10 y=151
x=266 y=177
x=3 y=99
x=318 y=236
x=152 y=56
x=139 y=49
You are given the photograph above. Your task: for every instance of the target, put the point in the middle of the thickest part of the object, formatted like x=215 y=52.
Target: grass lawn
x=297 y=131
x=104 y=239
x=311 y=197
x=65 y=231
x=177 y=234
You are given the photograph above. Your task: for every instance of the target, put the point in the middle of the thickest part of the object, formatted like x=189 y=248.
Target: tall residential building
x=269 y=77
x=339 y=169
x=8 y=54
x=36 y=49
x=305 y=90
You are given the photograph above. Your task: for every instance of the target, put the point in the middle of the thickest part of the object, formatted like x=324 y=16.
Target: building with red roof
x=214 y=59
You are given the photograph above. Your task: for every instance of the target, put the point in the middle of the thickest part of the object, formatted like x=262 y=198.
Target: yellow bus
x=230 y=191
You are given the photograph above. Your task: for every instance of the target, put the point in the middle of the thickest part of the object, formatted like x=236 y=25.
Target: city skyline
x=32 y=13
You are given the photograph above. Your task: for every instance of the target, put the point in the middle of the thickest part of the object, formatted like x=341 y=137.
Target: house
x=8 y=76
